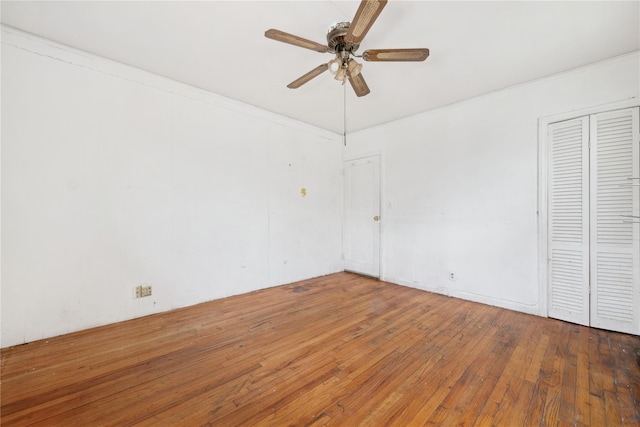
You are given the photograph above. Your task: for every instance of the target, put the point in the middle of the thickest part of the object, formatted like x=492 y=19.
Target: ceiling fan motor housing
x=336 y=40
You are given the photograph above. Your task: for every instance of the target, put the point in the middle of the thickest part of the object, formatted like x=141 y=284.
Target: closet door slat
x=568 y=223
x=615 y=212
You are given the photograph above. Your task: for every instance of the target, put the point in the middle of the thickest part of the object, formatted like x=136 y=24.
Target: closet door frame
x=543 y=180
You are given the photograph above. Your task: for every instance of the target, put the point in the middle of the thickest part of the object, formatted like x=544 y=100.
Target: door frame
x=381 y=174
x=541 y=204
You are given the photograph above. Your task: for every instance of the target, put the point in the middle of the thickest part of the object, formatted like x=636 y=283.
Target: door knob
x=376 y=218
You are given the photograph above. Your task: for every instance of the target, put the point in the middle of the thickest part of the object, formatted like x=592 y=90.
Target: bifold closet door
x=615 y=212
x=568 y=220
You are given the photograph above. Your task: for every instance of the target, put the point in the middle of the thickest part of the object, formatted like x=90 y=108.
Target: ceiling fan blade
x=358 y=84
x=311 y=74
x=386 y=55
x=365 y=17
x=283 y=37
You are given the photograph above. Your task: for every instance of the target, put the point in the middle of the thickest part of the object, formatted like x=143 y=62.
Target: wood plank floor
x=340 y=350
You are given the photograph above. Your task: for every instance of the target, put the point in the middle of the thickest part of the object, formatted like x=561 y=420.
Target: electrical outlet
x=452 y=276
x=143 y=291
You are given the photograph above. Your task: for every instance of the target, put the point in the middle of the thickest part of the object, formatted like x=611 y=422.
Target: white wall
x=460 y=185
x=113 y=177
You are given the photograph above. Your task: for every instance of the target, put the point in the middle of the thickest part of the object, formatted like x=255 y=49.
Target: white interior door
x=568 y=224
x=362 y=216
x=615 y=217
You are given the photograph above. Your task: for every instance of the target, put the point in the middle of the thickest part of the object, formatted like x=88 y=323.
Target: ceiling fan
x=343 y=39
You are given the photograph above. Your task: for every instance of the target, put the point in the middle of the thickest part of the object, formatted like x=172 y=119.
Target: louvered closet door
x=568 y=223
x=615 y=207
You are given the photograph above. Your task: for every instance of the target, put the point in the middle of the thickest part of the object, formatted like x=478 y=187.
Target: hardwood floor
x=340 y=350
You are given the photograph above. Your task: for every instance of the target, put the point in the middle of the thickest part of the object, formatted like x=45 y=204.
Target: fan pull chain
x=344 y=129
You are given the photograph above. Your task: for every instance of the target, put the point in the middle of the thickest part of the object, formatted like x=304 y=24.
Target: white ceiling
x=476 y=47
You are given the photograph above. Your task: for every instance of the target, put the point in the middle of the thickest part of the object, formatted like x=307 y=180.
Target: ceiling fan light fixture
x=341 y=75
x=354 y=67
x=334 y=66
